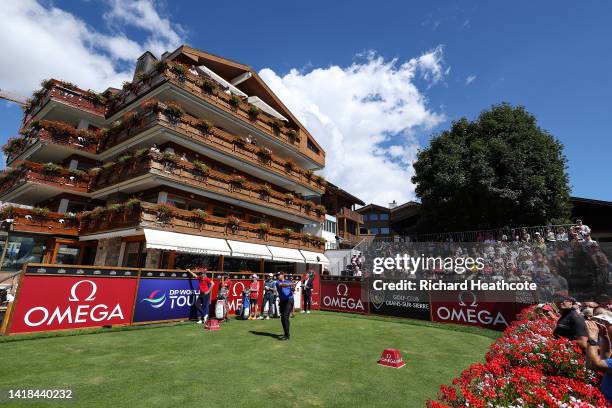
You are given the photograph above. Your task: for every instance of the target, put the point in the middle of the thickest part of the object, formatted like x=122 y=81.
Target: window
x=135 y=255
x=68 y=254
x=184 y=261
x=21 y=250
x=373 y=217
x=384 y=230
x=365 y=217
x=374 y=230
x=275 y=267
x=240 y=265
x=329 y=226
x=384 y=217
x=310 y=144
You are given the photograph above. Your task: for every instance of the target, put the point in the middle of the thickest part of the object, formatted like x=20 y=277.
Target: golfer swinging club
x=285 y=294
x=203 y=300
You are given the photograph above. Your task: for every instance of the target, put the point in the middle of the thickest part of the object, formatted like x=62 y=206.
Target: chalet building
x=341 y=205
x=194 y=163
x=392 y=220
x=402 y=219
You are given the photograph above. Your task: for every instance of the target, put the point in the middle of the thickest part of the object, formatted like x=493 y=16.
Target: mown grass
x=329 y=362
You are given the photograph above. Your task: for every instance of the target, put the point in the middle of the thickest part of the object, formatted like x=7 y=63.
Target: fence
x=66 y=297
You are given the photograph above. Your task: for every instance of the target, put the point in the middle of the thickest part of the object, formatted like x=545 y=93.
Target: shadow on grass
x=265 y=334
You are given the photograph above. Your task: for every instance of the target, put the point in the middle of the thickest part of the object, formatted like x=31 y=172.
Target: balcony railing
x=208 y=90
x=183 y=172
x=65 y=93
x=349 y=214
x=40 y=221
x=348 y=238
x=153 y=114
x=48 y=174
x=163 y=217
x=59 y=133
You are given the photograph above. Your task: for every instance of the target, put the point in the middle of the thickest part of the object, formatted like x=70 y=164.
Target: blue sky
x=552 y=57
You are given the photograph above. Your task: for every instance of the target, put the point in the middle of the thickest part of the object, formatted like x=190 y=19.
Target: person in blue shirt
x=285 y=296
x=597 y=332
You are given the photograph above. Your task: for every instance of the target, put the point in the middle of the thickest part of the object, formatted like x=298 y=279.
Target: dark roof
x=372 y=207
x=332 y=188
x=590 y=201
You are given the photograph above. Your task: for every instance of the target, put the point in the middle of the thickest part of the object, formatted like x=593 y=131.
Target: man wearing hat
x=285 y=290
x=268 y=297
x=571 y=324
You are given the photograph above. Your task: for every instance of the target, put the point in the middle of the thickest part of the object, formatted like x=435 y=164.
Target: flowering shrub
x=526 y=367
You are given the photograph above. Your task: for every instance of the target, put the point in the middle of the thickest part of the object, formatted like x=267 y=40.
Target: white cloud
x=470 y=79
x=39 y=42
x=365 y=116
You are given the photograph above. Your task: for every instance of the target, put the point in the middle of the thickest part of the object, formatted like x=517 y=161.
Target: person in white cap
x=268 y=297
x=254 y=294
x=599 y=356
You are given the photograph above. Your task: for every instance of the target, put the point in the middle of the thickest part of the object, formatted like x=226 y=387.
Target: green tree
x=499 y=170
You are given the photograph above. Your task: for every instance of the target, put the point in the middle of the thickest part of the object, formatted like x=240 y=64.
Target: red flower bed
x=526 y=367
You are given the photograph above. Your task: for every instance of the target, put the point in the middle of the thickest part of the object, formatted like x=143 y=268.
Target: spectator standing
x=253 y=294
x=268 y=297
x=571 y=324
x=307 y=287
x=594 y=358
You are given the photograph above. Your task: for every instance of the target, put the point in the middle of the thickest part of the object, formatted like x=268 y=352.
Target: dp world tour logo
x=155 y=302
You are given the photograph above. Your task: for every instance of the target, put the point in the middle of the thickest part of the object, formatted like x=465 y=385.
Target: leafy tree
x=499 y=170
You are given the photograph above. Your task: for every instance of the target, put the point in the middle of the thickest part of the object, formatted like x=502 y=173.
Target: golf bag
x=220 y=309
x=245 y=310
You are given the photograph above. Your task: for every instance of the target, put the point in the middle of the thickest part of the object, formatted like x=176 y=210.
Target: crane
x=21 y=100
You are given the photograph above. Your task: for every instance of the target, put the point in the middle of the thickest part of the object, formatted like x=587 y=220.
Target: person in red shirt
x=203 y=300
x=254 y=291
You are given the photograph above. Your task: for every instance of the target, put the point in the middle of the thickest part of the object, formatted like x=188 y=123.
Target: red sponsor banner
x=341 y=296
x=236 y=286
x=68 y=302
x=484 y=309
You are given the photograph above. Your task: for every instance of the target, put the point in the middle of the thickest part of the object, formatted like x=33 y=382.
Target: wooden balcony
x=45 y=177
x=40 y=221
x=51 y=132
x=349 y=214
x=349 y=239
x=163 y=217
x=170 y=167
x=208 y=91
x=153 y=114
x=67 y=94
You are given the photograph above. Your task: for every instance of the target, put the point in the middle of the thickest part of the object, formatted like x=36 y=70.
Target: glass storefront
x=67 y=254
x=21 y=250
x=240 y=265
x=276 y=267
x=195 y=261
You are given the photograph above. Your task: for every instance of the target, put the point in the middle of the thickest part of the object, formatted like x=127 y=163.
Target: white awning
x=113 y=234
x=247 y=250
x=286 y=254
x=315 y=257
x=192 y=244
x=221 y=81
x=254 y=100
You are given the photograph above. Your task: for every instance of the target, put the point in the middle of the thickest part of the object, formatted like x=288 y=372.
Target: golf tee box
x=391 y=358
x=212 y=325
